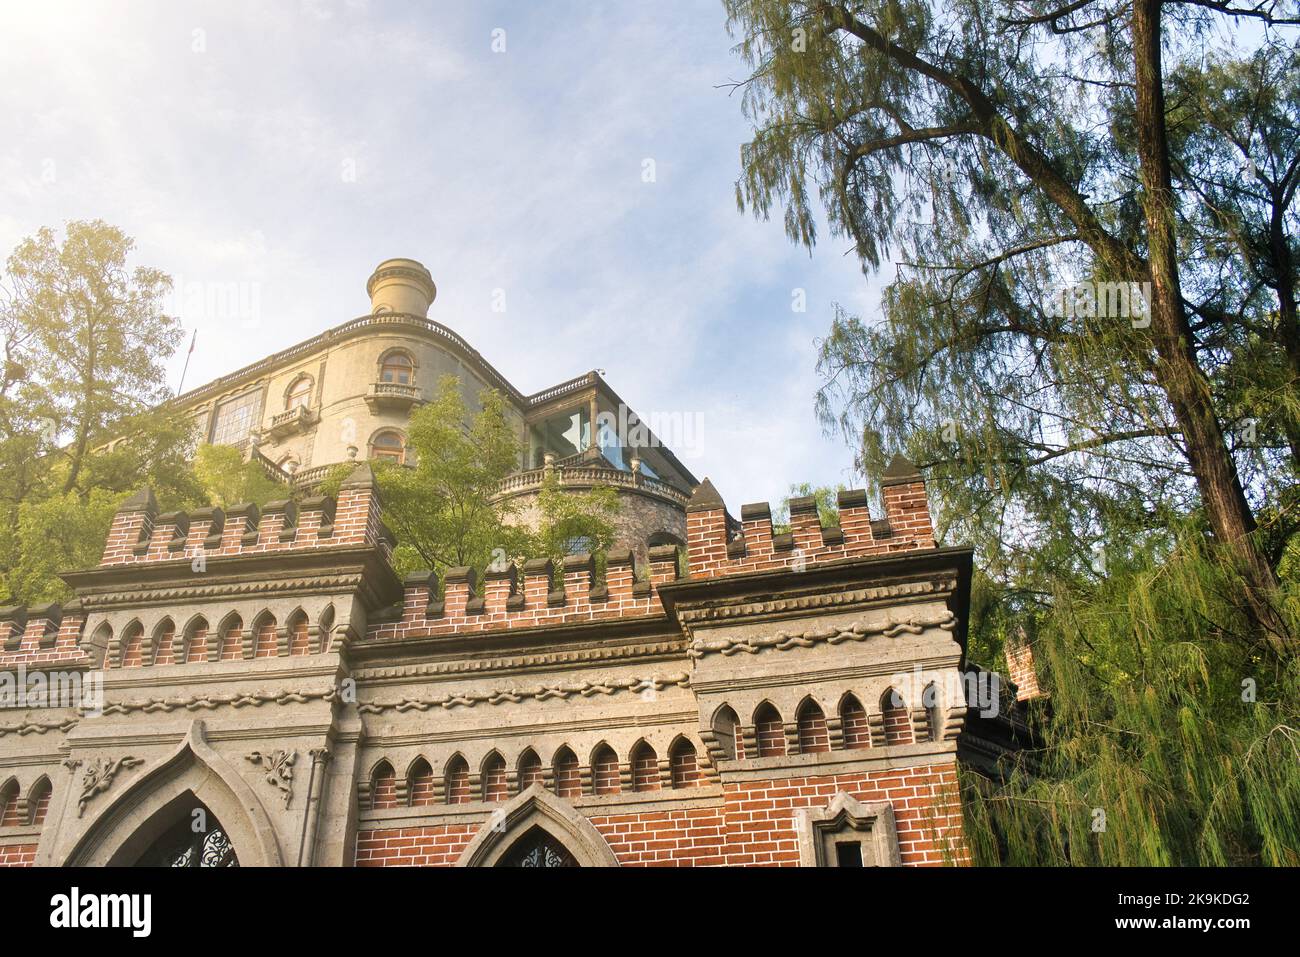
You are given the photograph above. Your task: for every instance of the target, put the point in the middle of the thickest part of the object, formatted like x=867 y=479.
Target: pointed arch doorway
x=149 y=816
x=537 y=829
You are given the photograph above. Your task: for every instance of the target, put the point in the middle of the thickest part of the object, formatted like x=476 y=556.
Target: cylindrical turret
x=401 y=285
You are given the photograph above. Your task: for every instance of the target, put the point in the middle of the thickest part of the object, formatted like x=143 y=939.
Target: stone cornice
x=328 y=569
x=772 y=607
x=906 y=577
x=563 y=658
x=878 y=670
x=37 y=727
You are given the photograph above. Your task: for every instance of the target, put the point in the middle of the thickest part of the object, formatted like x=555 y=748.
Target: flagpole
x=187 y=362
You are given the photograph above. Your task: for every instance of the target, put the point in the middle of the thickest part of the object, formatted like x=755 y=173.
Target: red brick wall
x=17 y=855
x=9 y=813
x=413 y=846
x=752 y=824
x=131 y=648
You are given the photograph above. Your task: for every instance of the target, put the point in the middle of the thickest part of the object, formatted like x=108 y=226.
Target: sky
x=565 y=170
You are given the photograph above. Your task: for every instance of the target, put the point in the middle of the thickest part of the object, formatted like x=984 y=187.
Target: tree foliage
x=83 y=417
x=1003 y=154
x=445 y=508
x=1126 y=468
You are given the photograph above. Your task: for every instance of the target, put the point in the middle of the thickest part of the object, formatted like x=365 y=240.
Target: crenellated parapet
x=140 y=533
x=42 y=635
x=719 y=545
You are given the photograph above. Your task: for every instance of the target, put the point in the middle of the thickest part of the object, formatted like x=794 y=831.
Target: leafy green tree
x=445 y=508
x=85 y=344
x=1003 y=154
x=828 y=509
x=228 y=480
x=95 y=337
x=1129 y=480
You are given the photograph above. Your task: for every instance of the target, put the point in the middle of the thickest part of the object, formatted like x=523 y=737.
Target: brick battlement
x=140 y=533
x=40 y=636
x=532 y=595
x=508 y=599
x=715 y=548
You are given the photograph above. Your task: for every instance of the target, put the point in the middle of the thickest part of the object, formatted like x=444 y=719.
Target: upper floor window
x=396 y=367
x=234 y=419
x=299 y=393
x=388 y=446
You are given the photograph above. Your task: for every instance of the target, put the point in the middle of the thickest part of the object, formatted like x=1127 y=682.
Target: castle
x=257 y=687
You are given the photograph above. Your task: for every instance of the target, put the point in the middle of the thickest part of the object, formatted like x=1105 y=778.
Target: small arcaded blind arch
x=683 y=764
x=530 y=769
x=9 y=805
x=38 y=801
x=196 y=640
x=299 y=634
x=383 y=786
x=163 y=634
x=232 y=639
x=457 y=781
x=421 y=783
x=814 y=737
x=604 y=771
x=725 y=725
x=568 y=779
x=897 y=722
x=857 y=729
x=267 y=642
x=645 y=768
x=396 y=367
x=388 y=446
x=768 y=731
x=299 y=393
x=494 y=777
x=133 y=646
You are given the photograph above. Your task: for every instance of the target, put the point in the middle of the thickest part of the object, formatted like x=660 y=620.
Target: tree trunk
x=1176 y=370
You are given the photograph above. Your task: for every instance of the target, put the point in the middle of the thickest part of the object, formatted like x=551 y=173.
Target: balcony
x=290 y=421
x=392 y=396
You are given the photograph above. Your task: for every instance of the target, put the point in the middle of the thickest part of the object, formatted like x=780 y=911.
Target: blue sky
x=290 y=147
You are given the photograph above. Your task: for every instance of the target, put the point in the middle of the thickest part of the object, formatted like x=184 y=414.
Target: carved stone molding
x=939 y=585
x=196 y=593
x=37 y=727
x=889 y=626
x=207 y=702
x=98 y=777
x=278 y=768
x=585 y=689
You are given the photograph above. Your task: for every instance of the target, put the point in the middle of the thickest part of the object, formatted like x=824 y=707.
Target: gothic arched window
x=197 y=839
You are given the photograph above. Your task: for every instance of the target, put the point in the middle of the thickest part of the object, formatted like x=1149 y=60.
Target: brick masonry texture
x=676 y=718
x=753 y=824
